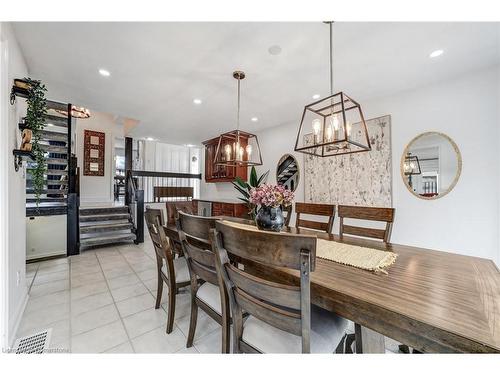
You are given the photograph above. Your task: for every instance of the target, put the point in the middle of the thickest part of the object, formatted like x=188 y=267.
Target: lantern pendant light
x=237 y=147
x=334 y=125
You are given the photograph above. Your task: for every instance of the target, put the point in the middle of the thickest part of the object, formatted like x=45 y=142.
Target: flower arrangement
x=271 y=196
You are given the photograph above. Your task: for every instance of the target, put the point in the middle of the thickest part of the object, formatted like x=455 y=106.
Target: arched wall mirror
x=287 y=172
x=431 y=165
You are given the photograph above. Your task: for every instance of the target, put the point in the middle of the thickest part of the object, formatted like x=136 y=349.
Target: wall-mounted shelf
x=20 y=155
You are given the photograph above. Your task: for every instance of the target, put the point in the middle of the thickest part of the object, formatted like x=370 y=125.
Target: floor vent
x=36 y=343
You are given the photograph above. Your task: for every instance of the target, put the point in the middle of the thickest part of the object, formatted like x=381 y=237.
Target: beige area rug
x=356 y=256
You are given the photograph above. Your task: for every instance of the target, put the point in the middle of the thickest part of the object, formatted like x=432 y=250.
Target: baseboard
x=45 y=256
x=17 y=320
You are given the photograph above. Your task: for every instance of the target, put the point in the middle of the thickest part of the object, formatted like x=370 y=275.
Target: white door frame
x=4 y=194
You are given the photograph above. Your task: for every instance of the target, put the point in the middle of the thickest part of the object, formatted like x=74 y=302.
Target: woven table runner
x=351 y=255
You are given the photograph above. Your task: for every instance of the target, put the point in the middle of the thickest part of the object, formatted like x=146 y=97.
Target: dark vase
x=270 y=218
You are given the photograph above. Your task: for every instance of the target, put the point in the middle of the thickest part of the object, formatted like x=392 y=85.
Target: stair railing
x=134 y=198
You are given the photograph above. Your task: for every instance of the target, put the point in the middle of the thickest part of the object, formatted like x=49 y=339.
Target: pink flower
x=271 y=196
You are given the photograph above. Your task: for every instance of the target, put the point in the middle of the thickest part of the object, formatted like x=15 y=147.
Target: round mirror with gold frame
x=431 y=165
x=287 y=172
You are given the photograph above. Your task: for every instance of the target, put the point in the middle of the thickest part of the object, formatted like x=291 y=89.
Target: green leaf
x=241 y=183
x=253 y=177
x=244 y=200
x=245 y=193
x=263 y=178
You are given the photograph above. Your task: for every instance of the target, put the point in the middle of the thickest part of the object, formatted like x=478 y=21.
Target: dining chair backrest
x=195 y=237
x=366 y=213
x=288 y=215
x=317 y=209
x=154 y=222
x=174 y=207
x=284 y=306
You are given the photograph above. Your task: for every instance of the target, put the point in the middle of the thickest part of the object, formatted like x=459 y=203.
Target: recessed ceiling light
x=316 y=96
x=254 y=119
x=197 y=101
x=189 y=145
x=50 y=124
x=274 y=50
x=104 y=72
x=149 y=139
x=436 y=53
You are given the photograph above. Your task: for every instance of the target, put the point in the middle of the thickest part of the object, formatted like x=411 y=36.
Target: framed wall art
x=93 y=155
x=361 y=179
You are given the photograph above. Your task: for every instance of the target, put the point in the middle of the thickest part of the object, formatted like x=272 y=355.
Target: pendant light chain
x=331 y=57
x=238 y=119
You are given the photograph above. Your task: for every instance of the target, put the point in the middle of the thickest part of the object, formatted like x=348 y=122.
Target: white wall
x=16 y=187
x=98 y=189
x=214 y=191
x=465 y=221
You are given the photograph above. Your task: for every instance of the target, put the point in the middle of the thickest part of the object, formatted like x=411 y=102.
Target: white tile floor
x=103 y=301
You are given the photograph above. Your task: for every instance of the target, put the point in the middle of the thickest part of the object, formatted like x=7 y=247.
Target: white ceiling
x=158 y=68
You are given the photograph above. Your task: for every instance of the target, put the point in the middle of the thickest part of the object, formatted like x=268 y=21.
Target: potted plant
x=35 y=118
x=245 y=187
x=271 y=199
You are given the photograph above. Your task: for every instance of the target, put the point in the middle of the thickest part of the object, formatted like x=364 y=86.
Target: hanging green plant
x=35 y=120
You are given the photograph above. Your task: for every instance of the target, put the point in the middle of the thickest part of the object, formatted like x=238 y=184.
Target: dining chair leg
x=192 y=323
x=171 y=309
x=226 y=336
x=159 y=292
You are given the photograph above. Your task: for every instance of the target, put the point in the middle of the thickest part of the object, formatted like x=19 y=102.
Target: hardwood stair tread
x=106 y=217
x=100 y=228
x=102 y=240
x=46 y=199
x=54 y=149
x=49 y=172
x=48 y=191
x=103 y=210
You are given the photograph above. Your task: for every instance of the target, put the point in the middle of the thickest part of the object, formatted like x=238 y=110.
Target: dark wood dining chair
x=288 y=215
x=196 y=241
x=173 y=209
x=171 y=270
x=370 y=214
x=281 y=318
x=317 y=209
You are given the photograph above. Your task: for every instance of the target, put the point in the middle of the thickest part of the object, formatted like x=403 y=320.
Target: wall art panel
x=362 y=179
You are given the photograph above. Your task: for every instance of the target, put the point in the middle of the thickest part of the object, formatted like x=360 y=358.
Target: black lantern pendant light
x=237 y=147
x=411 y=165
x=334 y=125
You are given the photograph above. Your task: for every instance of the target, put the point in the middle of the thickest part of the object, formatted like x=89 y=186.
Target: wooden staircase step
x=53 y=136
x=50 y=161
x=48 y=191
x=100 y=228
x=104 y=240
x=103 y=210
x=29 y=182
x=56 y=120
x=55 y=149
x=105 y=217
x=46 y=199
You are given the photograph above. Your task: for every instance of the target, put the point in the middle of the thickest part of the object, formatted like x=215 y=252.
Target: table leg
x=368 y=341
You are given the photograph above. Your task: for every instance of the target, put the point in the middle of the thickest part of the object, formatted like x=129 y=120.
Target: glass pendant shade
x=238 y=148
x=411 y=165
x=333 y=126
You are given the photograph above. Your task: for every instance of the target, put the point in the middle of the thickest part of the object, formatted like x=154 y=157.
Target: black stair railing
x=134 y=199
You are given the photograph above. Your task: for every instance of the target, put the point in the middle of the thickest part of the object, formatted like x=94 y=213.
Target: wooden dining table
x=433 y=301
